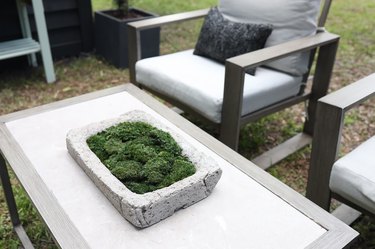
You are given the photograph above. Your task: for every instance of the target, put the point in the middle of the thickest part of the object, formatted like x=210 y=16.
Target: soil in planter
x=120 y=15
x=141 y=156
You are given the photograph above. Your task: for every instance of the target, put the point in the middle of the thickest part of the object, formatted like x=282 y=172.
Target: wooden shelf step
x=14 y=48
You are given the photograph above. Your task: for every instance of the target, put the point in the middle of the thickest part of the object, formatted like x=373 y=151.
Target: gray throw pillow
x=221 y=39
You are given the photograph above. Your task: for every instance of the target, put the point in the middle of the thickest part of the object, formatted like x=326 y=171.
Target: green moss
x=141 y=156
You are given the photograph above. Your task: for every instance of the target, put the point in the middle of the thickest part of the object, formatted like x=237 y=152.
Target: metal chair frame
x=330 y=115
x=324 y=42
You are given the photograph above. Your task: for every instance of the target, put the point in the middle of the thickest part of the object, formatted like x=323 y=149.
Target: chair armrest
x=351 y=95
x=326 y=141
x=235 y=77
x=261 y=56
x=168 y=19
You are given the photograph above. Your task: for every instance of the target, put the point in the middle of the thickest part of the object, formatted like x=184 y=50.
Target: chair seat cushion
x=353 y=176
x=198 y=82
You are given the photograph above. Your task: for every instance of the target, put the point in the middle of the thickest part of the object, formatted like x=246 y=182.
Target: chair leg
x=12 y=207
x=134 y=47
x=232 y=105
x=325 y=147
x=229 y=134
x=322 y=77
x=322 y=118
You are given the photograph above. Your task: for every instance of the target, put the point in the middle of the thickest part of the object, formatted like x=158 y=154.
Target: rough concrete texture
x=146 y=209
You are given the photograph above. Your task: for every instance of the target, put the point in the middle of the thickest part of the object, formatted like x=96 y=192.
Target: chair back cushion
x=291 y=19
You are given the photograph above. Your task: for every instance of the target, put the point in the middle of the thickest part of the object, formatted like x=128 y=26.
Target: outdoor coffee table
x=247 y=209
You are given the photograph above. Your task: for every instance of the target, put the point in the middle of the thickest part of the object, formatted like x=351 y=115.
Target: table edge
x=39 y=194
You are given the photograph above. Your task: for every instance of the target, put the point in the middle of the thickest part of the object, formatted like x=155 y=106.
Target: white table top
x=240 y=213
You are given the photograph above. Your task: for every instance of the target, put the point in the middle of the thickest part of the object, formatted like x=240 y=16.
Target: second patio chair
x=224 y=94
x=351 y=179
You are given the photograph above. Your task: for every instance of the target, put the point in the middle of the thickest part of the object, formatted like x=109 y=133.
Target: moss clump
x=141 y=156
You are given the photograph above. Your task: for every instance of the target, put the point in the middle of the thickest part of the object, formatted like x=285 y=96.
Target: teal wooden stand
x=28 y=46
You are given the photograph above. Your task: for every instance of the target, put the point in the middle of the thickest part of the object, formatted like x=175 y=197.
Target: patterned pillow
x=221 y=39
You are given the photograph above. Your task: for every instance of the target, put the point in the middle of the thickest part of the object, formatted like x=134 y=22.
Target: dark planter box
x=111 y=38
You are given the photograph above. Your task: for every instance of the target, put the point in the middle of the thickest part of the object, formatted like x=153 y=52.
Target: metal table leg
x=9 y=197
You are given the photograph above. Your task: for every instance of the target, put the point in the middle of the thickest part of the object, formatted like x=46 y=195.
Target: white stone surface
x=144 y=210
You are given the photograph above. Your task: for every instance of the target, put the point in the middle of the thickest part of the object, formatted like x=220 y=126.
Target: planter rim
x=143 y=210
x=147 y=15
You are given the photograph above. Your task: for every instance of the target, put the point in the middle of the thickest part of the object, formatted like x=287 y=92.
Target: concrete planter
x=143 y=210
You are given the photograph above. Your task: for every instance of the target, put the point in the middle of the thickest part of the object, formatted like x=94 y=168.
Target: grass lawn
x=352 y=20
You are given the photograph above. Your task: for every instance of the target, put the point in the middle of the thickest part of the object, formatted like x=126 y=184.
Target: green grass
x=29 y=218
x=352 y=20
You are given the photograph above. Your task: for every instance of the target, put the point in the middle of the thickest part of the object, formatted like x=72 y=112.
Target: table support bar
x=9 y=197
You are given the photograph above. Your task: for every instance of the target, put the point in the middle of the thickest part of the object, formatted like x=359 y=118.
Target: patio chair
x=351 y=179
x=226 y=96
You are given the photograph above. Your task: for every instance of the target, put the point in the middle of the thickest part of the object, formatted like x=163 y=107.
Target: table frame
x=338 y=234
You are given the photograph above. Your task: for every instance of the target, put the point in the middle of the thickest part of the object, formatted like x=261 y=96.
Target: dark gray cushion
x=220 y=38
